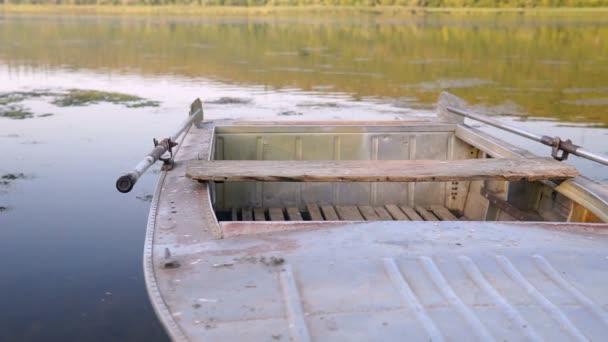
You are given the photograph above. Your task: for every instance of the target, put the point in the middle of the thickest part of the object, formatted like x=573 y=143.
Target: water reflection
x=550 y=67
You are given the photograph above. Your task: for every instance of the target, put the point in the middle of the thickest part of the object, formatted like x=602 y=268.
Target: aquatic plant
x=15 y=112
x=80 y=97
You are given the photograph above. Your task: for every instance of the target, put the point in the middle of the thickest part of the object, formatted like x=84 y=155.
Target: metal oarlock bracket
x=557 y=147
x=555 y=154
x=168 y=144
x=565 y=146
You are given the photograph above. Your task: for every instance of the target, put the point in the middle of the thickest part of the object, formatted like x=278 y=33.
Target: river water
x=71 y=245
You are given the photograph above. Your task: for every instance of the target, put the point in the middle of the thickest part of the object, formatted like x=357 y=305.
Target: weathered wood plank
x=378 y=170
x=293 y=214
x=276 y=214
x=233 y=215
x=314 y=212
x=247 y=214
x=369 y=214
x=518 y=214
x=411 y=213
x=443 y=213
x=396 y=213
x=349 y=213
x=426 y=215
x=383 y=214
x=258 y=214
x=329 y=213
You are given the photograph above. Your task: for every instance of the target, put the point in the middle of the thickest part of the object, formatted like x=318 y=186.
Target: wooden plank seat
x=530 y=169
x=311 y=212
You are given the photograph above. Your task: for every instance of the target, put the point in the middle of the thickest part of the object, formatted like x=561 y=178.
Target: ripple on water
x=449 y=84
x=587 y=102
x=585 y=90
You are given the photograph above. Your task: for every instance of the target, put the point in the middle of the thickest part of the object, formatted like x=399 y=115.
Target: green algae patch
x=80 y=97
x=11 y=102
x=16 y=112
x=143 y=104
x=10 y=98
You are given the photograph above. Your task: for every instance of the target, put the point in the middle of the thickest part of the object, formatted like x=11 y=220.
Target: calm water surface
x=71 y=245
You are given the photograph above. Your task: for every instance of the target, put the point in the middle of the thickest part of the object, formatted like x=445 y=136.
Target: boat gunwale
x=158 y=303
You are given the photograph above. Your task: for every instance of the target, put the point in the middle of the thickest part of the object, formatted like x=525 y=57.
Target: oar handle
x=126 y=182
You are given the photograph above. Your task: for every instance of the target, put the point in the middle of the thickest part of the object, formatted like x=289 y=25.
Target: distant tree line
x=252 y=3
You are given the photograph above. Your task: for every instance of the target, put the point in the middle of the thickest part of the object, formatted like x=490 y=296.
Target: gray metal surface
x=433 y=141
x=367 y=281
x=393 y=280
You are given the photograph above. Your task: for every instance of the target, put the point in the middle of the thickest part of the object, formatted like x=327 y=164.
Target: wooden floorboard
x=314 y=212
x=276 y=214
x=426 y=215
x=234 y=215
x=411 y=213
x=348 y=213
x=396 y=213
x=369 y=214
x=258 y=214
x=443 y=213
x=379 y=170
x=383 y=214
x=329 y=213
x=247 y=215
x=293 y=214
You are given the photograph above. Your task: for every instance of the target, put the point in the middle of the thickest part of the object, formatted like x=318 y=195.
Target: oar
x=126 y=182
x=565 y=146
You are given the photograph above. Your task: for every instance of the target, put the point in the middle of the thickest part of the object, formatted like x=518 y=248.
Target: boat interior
x=539 y=194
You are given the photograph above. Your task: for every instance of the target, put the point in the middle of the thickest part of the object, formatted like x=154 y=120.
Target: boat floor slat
x=311 y=212
x=426 y=214
x=443 y=213
x=383 y=214
x=349 y=213
x=293 y=214
x=396 y=213
x=329 y=213
x=276 y=214
x=314 y=213
x=411 y=213
x=369 y=214
x=247 y=215
x=258 y=214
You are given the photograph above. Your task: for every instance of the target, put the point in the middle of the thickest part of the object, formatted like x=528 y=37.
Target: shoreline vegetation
x=381 y=8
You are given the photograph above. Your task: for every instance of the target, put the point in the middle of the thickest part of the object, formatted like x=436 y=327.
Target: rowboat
x=416 y=229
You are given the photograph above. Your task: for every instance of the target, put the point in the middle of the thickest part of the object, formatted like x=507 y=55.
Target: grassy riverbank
x=212 y=10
